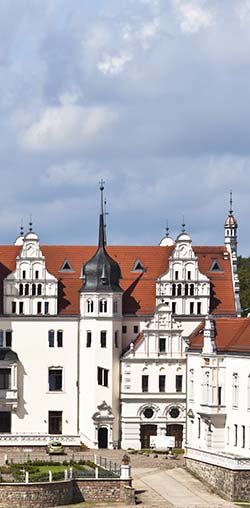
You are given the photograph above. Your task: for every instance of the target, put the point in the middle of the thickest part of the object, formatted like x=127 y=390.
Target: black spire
x=231 y=204
x=101 y=273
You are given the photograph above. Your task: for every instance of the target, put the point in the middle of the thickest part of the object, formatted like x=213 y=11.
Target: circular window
x=174 y=412
x=148 y=413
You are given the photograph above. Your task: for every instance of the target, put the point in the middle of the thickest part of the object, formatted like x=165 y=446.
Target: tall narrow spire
x=105 y=221
x=101 y=243
x=231 y=204
x=183 y=225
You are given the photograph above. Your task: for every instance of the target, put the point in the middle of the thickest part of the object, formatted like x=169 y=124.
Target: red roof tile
x=231 y=334
x=139 y=287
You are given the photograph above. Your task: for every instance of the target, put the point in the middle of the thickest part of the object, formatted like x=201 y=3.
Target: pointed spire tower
x=101 y=272
x=230 y=228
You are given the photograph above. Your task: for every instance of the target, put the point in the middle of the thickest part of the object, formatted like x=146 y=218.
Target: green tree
x=244 y=278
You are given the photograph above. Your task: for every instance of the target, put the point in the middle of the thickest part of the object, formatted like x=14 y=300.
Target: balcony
x=9 y=397
x=212 y=409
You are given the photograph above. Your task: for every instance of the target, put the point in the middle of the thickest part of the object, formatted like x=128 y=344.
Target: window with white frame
x=235 y=389
x=90 y=306
x=55 y=379
x=235 y=435
x=103 y=305
x=228 y=435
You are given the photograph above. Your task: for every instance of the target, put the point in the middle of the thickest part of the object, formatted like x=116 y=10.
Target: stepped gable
x=231 y=335
x=138 y=287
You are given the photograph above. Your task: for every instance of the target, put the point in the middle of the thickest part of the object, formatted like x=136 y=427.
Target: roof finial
x=101 y=222
x=167 y=229
x=21 y=228
x=183 y=224
x=231 y=203
x=30 y=224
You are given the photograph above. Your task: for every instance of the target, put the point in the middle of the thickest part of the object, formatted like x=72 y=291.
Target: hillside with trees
x=244 y=278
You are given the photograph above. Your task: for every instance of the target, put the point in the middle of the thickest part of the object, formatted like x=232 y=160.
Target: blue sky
x=151 y=95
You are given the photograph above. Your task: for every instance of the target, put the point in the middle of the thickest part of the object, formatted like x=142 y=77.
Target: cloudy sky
x=151 y=95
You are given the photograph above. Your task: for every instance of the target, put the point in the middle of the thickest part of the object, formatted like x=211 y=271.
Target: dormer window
x=66 y=267
x=215 y=267
x=138 y=266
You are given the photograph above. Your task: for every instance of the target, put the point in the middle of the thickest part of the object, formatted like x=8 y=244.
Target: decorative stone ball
x=125 y=459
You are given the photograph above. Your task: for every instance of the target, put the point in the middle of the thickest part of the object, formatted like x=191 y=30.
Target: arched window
x=173 y=289
x=103 y=305
x=191 y=289
x=186 y=289
x=26 y=289
x=90 y=306
x=21 y=289
x=51 y=337
x=33 y=289
x=59 y=338
x=179 y=290
x=39 y=289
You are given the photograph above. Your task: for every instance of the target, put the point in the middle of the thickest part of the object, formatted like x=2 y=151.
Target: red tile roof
x=231 y=334
x=139 y=287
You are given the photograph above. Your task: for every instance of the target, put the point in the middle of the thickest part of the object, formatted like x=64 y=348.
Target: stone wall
x=41 y=495
x=232 y=485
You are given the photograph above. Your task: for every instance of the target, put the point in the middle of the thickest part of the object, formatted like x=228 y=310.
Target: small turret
x=230 y=228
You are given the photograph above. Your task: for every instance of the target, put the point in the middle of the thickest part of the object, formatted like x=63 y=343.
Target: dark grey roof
x=8 y=355
x=101 y=273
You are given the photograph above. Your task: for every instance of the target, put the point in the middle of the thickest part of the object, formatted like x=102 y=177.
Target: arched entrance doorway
x=175 y=430
x=146 y=432
x=103 y=437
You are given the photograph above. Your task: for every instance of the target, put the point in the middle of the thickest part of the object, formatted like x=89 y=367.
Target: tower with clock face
x=30 y=289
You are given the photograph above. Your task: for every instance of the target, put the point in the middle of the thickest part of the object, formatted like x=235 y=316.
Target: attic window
x=138 y=266
x=215 y=267
x=66 y=267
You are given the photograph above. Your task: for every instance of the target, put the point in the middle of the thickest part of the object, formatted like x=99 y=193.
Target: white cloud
x=243 y=10
x=114 y=64
x=67 y=126
x=73 y=173
x=193 y=18
x=144 y=32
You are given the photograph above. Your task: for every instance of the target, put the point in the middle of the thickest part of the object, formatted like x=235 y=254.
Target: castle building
x=94 y=341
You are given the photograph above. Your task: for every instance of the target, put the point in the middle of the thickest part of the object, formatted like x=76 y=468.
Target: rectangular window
x=24 y=274
x=116 y=338
x=243 y=436
x=46 y=307
x=124 y=329
x=199 y=428
x=176 y=275
x=5 y=379
x=51 y=336
x=55 y=422
x=174 y=307
x=228 y=435
x=103 y=338
x=8 y=338
x=191 y=307
x=39 y=307
x=36 y=274
x=20 y=307
x=1 y=338
x=5 y=422
x=55 y=380
x=235 y=435
x=13 y=307
x=89 y=338
x=59 y=338
x=144 y=383
x=219 y=395
x=162 y=383
x=162 y=344
x=178 y=383
x=136 y=329
x=199 y=308
x=189 y=275
x=102 y=376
